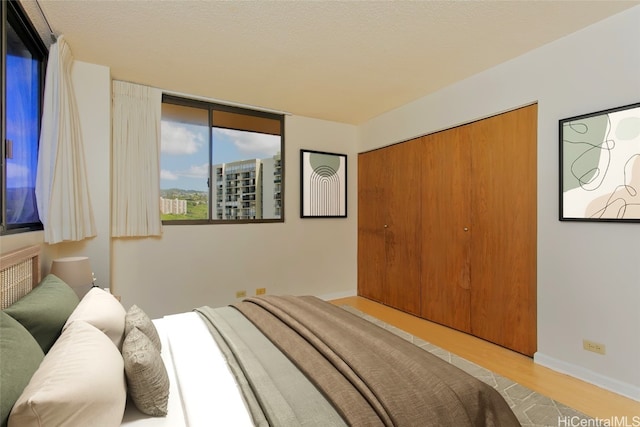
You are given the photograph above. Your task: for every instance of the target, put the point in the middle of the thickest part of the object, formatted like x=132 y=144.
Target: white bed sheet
x=175 y=414
x=203 y=390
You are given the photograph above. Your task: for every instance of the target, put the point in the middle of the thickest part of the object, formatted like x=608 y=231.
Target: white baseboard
x=628 y=390
x=338 y=295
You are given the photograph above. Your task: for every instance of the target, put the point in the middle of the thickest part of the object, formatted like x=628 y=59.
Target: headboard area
x=19 y=273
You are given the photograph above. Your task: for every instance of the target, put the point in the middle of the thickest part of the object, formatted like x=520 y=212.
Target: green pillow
x=44 y=310
x=20 y=357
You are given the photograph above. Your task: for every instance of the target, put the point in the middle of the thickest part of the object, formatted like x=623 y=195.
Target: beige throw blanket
x=371 y=376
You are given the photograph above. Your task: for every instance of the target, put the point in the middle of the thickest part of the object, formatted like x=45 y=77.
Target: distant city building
x=173 y=206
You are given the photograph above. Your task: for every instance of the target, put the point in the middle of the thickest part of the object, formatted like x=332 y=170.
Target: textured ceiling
x=345 y=61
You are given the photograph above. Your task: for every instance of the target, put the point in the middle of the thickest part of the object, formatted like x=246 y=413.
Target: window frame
x=12 y=12
x=211 y=107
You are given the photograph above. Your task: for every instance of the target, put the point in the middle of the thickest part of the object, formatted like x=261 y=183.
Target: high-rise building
x=248 y=189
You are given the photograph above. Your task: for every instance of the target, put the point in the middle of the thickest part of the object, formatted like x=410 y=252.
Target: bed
x=265 y=361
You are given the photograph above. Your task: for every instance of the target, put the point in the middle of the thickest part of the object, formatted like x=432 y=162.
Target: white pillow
x=80 y=382
x=102 y=310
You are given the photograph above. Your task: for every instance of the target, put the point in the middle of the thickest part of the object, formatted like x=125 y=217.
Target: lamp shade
x=75 y=272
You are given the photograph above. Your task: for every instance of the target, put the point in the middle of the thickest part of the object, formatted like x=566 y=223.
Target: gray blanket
x=275 y=391
x=369 y=375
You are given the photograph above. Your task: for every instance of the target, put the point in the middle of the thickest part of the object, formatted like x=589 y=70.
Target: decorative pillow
x=136 y=318
x=44 y=310
x=102 y=310
x=147 y=379
x=80 y=382
x=20 y=356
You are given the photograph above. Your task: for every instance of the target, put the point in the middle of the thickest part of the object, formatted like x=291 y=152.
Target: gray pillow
x=137 y=318
x=20 y=357
x=147 y=379
x=45 y=310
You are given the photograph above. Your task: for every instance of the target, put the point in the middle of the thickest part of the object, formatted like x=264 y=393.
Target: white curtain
x=135 y=185
x=62 y=192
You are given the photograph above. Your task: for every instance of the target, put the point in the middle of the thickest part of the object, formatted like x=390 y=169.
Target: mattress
x=203 y=390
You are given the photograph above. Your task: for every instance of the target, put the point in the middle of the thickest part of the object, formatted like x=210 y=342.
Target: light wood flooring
x=577 y=394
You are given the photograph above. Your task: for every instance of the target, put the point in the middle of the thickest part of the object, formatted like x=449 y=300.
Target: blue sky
x=185 y=152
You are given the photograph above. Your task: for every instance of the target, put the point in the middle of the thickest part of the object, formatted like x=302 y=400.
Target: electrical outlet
x=241 y=294
x=593 y=346
x=261 y=291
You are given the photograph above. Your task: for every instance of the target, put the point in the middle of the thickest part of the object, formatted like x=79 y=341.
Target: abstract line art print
x=600 y=166
x=323 y=184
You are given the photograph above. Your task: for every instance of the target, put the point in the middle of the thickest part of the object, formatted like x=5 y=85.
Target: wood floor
x=582 y=396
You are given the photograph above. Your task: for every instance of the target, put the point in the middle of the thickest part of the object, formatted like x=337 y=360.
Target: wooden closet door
x=371 y=218
x=446 y=228
x=503 y=245
x=402 y=172
x=389 y=225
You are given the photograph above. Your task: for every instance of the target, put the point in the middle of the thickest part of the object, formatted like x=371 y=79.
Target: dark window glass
x=23 y=62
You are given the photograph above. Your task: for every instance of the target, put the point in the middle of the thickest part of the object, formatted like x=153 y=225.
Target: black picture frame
x=600 y=166
x=323 y=184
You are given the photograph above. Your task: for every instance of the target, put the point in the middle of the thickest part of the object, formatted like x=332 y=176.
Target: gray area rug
x=532 y=409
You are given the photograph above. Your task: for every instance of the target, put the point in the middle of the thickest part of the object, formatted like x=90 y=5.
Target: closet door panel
x=371 y=233
x=446 y=228
x=403 y=163
x=503 y=246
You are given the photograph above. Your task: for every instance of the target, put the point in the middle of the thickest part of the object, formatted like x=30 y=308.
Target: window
x=220 y=164
x=23 y=69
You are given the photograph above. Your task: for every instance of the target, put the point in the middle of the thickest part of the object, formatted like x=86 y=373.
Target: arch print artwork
x=600 y=166
x=323 y=184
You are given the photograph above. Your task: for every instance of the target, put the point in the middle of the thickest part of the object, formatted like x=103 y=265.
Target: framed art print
x=323 y=184
x=600 y=166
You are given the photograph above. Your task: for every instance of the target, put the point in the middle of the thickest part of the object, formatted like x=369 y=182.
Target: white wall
x=92 y=84
x=191 y=266
x=588 y=274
